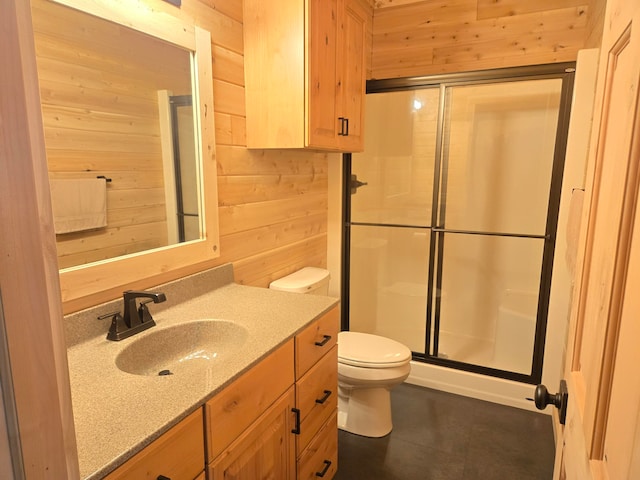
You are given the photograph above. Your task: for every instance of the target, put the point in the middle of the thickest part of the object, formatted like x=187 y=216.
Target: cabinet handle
x=327 y=464
x=296 y=429
x=162 y=477
x=324 y=341
x=341 y=132
x=346 y=121
x=327 y=394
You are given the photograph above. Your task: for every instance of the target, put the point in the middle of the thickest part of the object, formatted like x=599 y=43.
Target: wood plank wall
x=272 y=204
x=98 y=86
x=595 y=23
x=412 y=38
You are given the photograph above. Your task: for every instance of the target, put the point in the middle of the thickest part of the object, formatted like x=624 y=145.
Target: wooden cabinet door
x=352 y=75
x=322 y=47
x=600 y=439
x=177 y=454
x=265 y=451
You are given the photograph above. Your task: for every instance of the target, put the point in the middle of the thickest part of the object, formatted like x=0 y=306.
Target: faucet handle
x=109 y=315
x=117 y=325
x=143 y=312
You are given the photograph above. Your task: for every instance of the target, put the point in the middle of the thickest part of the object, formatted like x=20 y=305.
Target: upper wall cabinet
x=305 y=74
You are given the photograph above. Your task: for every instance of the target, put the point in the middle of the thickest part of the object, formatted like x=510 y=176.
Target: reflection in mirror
x=116 y=103
x=182 y=165
x=127 y=94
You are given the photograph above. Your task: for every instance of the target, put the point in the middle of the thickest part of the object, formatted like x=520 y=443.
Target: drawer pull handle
x=296 y=428
x=324 y=341
x=327 y=464
x=162 y=477
x=327 y=394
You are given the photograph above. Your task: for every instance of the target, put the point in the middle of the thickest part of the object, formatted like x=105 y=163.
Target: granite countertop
x=117 y=413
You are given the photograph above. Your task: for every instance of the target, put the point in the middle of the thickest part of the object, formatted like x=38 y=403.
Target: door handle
x=355 y=184
x=542 y=398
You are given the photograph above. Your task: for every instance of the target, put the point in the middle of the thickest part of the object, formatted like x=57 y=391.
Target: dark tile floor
x=441 y=436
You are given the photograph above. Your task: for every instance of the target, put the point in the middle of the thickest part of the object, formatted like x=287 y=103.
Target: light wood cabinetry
x=265 y=450
x=305 y=74
x=237 y=407
x=178 y=454
x=279 y=419
x=323 y=331
x=317 y=397
x=320 y=458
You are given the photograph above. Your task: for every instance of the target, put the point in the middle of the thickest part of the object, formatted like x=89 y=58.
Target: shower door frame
x=175 y=102
x=565 y=72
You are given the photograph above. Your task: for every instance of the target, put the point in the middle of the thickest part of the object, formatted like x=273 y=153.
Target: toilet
x=369 y=366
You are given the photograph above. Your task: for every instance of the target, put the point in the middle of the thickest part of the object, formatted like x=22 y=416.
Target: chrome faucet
x=136 y=318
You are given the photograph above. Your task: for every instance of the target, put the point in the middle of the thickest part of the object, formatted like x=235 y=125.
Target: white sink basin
x=195 y=345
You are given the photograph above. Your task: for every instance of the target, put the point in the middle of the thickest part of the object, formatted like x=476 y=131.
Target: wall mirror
x=127 y=103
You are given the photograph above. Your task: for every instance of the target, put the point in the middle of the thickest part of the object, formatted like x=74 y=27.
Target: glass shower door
x=452 y=218
x=391 y=217
x=497 y=158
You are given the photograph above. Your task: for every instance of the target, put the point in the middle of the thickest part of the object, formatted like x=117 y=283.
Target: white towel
x=78 y=204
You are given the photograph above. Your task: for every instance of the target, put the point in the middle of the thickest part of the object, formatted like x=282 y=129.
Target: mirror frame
x=112 y=275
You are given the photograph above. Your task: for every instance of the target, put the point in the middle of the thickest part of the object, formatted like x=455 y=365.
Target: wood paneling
x=98 y=85
x=413 y=38
x=261 y=269
x=273 y=203
x=508 y=8
x=29 y=283
x=595 y=23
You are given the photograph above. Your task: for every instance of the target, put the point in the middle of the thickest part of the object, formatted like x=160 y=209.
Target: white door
x=601 y=437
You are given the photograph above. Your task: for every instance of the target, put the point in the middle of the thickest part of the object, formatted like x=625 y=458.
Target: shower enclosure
x=185 y=169
x=450 y=216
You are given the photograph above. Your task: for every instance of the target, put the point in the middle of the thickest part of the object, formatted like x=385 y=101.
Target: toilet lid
x=371 y=351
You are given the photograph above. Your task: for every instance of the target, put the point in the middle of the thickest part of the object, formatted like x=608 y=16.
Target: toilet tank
x=306 y=280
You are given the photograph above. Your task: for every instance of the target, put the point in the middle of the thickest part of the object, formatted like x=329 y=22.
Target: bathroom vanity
x=268 y=401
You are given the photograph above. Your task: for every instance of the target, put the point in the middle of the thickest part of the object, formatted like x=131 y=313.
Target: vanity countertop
x=117 y=414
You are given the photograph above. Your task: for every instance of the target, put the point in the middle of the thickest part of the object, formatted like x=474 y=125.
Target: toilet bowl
x=369 y=366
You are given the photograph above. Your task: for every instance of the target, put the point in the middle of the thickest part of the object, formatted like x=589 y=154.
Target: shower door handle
x=542 y=398
x=356 y=184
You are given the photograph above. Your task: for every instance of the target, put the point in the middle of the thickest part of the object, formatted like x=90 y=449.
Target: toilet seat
x=371 y=351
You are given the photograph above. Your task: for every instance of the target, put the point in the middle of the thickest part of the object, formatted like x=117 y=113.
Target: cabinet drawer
x=320 y=459
x=231 y=411
x=177 y=454
x=316 y=340
x=265 y=450
x=317 y=396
